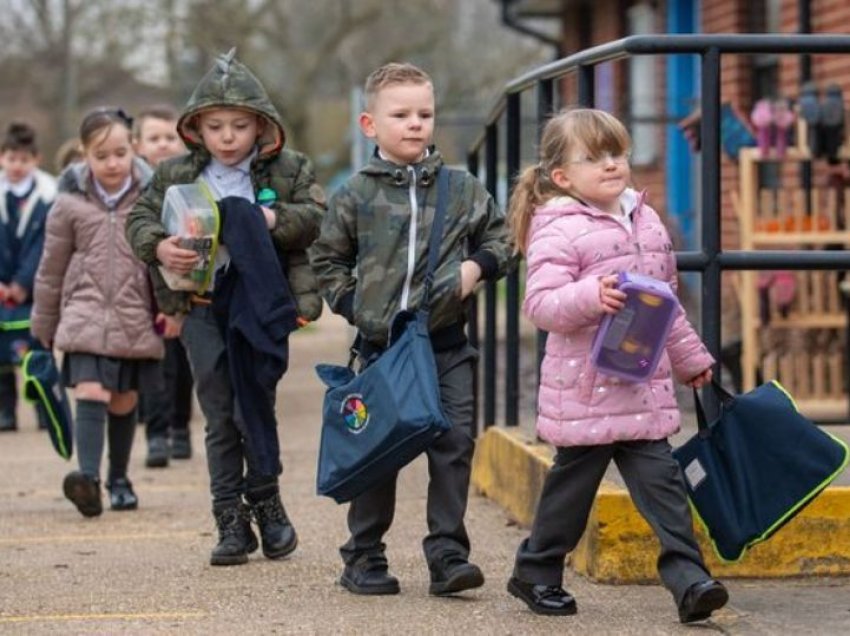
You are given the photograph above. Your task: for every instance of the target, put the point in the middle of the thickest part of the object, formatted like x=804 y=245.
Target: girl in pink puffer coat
x=579 y=224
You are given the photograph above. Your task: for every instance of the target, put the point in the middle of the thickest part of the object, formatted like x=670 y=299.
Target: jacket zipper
x=411 y=239
x=111 y=213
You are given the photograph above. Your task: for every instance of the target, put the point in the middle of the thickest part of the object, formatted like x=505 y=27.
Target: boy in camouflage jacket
x=370 y=258
x=235 y=139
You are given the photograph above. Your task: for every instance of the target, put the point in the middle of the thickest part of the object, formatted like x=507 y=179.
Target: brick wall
x=718 y=16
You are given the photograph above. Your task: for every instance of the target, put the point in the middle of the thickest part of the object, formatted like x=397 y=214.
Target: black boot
x=277 y=533
x=236 y=540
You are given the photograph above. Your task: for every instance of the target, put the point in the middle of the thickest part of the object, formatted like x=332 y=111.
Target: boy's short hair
x=166 y=112
x=20 y=136
x=392 y=74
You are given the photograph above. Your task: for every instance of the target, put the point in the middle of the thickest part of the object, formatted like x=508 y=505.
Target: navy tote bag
x=43 y=387
x=376 y=422
x=755 y=467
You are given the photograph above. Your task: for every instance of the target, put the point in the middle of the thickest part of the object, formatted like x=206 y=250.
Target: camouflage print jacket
x=361 y=255
x=299 y=204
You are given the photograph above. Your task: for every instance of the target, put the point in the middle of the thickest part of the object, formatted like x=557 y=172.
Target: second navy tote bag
x=756 y=466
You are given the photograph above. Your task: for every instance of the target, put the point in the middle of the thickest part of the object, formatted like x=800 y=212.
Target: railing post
x=545 y=108
x=491 y=145
x=586 y=86
x=472 y=324
x=711 y=277
x=512 y=281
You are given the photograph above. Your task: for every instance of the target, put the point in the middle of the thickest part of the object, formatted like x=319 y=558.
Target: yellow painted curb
x=619 y=546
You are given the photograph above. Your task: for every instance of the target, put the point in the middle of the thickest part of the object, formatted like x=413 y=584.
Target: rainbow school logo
x=355 y=413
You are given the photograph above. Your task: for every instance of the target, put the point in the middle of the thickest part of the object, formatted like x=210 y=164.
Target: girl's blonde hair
x=565 y=135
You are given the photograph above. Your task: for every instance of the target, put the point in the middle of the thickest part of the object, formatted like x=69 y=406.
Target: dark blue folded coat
x=256 y=311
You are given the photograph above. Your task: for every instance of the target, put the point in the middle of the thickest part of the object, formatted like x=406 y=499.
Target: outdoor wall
x=607 y=20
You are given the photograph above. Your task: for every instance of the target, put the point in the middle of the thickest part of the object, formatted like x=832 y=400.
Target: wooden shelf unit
x=800 y=347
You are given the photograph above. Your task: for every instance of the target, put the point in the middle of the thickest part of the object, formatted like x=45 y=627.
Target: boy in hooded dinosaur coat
x=235 y=139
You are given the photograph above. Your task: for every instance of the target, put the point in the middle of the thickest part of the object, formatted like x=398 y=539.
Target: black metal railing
x=710 y=260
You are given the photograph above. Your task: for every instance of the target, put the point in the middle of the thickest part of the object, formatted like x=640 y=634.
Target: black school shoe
x=84 y=492
x=451 y=573
x=369 y=575
x=121 y=495
x=549 y=600
x=701 y=599
x=181 y=445
x=158 y=452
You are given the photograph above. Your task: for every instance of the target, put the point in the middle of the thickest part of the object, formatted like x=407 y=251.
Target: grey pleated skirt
x=114 y=374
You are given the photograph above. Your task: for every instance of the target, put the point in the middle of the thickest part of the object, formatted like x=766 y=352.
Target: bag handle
x=436 y=234
x=725 y=398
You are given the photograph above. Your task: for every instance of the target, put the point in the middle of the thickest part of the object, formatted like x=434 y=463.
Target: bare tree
x=309 y=52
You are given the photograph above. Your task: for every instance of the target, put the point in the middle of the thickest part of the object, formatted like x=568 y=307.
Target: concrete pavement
x=147 y=571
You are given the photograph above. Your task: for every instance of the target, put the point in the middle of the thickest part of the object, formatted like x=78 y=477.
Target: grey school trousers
x=656 y=486
x=229 y=463
x=449 y=465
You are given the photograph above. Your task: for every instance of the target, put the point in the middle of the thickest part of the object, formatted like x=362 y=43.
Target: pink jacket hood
x=570 y=246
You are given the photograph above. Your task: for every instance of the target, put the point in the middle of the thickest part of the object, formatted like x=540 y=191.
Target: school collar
x=22 y=188
x=111 y=200
x=219 y=169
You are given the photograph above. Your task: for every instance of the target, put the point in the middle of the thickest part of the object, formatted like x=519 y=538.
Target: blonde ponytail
x=524 y=198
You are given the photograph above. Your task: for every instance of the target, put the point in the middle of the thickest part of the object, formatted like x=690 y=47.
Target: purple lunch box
x=629 y=344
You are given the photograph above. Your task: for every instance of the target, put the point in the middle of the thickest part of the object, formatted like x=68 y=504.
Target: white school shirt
x=111 y=200
x=229 y=181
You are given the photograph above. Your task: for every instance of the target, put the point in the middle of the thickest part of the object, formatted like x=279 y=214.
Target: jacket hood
x=230 y=84
x=75 y=177
x=398 y=174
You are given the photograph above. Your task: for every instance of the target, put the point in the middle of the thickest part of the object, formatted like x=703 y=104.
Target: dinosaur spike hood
x=230 y=84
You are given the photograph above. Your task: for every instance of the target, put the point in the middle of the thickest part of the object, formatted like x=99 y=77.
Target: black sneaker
x=84 y=492
x=121 y=495
x=452 y=573
x=701 y=599
x=369 y=575
x=549 y=600
x=157 y=453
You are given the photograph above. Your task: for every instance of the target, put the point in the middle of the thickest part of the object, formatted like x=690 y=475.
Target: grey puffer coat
x=91 y=293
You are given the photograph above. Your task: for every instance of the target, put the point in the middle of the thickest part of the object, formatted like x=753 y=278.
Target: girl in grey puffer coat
x=93 y=302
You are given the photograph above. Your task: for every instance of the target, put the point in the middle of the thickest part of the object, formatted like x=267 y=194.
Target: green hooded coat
x=299 y=204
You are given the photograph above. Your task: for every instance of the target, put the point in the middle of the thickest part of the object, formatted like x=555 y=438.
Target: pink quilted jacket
x=91 y=294
x=571 y=246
